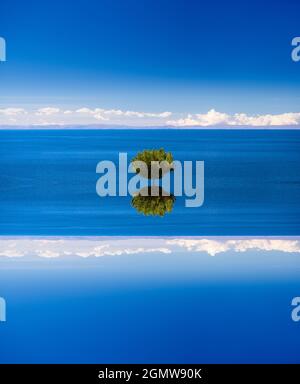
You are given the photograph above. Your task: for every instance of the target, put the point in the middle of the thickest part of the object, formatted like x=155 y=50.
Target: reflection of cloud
x=53 y=248
x=213 y=247
x=98 y=247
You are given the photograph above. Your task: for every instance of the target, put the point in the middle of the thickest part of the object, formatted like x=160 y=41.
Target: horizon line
x=149 y=127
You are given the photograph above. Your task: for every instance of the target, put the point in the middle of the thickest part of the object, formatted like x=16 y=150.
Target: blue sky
x=184 y=57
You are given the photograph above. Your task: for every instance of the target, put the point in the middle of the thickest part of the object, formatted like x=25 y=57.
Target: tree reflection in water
x=155 y=204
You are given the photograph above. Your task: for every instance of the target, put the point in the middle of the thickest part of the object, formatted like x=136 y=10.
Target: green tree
x=154 y=155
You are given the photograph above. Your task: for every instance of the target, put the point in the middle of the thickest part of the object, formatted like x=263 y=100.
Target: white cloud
x=215 y=118
x=51 y=115
x=212 y=117
x=266 y=120
x=12 y=111
x=47 y=111
x=104 y=114
x=85 y=110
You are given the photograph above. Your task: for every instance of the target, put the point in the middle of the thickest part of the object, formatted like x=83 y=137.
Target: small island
x=152 y=158
x=153 y=200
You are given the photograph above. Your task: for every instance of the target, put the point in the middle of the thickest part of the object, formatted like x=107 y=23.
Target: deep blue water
x=191 y=308
x=48 y=179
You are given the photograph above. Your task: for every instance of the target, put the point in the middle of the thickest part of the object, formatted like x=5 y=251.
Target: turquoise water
x=48 y=180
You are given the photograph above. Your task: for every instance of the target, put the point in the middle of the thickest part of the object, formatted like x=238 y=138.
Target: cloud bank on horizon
x=99 y=247
x=55 y=116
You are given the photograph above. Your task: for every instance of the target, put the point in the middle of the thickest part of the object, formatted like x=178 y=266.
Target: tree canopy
x=154 y=155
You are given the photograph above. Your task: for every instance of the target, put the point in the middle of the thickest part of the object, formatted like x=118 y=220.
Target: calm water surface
x=48 y=179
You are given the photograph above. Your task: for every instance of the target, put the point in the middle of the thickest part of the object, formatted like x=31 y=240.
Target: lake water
x=48 y=179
